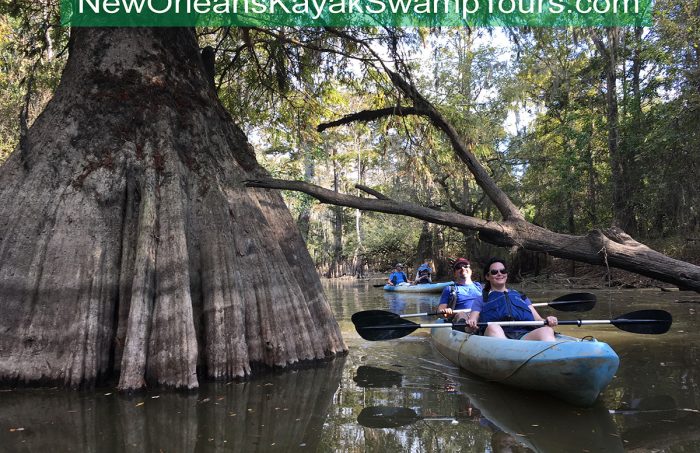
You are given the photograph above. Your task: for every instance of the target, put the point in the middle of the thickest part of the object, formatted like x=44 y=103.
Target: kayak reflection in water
x=500 y=304
x=505 y=443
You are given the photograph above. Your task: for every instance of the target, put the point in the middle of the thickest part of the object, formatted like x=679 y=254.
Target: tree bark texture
x=611 y=247
x=128 y=243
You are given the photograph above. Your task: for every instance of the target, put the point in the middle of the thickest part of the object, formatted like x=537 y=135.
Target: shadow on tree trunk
x=128 y=243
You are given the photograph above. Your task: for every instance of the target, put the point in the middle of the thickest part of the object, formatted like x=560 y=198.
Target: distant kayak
x=570 y=369
x=424 y=288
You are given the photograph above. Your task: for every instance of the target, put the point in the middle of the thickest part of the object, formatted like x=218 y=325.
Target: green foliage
x=31 y=60
x=11 y=101
x=279 y=84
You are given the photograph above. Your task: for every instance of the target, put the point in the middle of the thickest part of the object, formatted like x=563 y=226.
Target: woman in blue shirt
x=501 y=304
x=463 y=293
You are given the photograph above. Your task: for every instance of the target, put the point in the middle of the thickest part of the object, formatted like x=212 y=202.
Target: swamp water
x=392 y=396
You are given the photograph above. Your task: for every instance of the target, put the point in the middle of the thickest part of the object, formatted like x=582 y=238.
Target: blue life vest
x=461 y=296
x=398 y=277
x=505 y=306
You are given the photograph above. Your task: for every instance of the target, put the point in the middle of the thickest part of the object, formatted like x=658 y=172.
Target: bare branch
x=382 y=205
x=370 y=115
x=372 y=192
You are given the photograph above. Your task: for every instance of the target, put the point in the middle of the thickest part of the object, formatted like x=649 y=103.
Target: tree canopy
x=581 y=128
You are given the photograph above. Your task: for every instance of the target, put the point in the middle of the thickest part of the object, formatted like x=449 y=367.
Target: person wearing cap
x=424 y=274
x=463 y=293
x=398 y=276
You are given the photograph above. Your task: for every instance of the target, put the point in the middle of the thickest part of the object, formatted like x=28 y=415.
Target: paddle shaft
x=573 y=322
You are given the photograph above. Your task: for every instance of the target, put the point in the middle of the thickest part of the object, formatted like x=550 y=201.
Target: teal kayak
x=424 y=288
x=570 y=369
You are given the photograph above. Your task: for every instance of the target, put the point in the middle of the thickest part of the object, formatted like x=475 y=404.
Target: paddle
x=392 y=417
x=377 y=327
x=579 y=302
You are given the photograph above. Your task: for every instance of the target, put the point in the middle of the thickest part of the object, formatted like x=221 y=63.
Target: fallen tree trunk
x=610 y=247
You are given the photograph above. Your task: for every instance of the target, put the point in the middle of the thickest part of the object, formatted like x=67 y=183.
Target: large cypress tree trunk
x=128 y=244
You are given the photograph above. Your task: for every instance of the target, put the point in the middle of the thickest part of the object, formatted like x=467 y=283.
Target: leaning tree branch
x=370 y=115
x=610 y=247
x=462 y=148
x=385 y=205
x=372 y=192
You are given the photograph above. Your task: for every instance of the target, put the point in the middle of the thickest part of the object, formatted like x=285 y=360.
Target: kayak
x=423 y=288
x=569 y=368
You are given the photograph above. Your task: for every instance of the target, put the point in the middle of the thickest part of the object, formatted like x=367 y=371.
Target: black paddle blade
x=373 y=377
x=386 y=417
x=388 y=331
x=653 y=322
x=574 y=302
x=373 y=317
x=377 y=325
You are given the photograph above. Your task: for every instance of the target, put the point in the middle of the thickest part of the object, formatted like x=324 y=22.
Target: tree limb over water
x=610 y=247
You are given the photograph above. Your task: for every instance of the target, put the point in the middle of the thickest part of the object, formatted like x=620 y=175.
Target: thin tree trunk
x=592 y=199
x=336 y=267
x=620 y=164
x=128 y=243
x=304 y=218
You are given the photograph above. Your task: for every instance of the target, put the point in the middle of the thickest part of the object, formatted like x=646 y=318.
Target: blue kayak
x=569 y=368
x=424 y=288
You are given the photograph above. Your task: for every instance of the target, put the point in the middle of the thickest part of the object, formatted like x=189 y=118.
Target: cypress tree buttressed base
x=128 y=244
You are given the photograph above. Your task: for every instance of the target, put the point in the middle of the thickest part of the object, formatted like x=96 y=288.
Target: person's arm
x=388 y=280
x=444 y=299
x=551 y=320
x=473 y=319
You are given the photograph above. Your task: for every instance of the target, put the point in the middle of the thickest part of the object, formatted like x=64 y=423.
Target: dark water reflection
x=399 y=395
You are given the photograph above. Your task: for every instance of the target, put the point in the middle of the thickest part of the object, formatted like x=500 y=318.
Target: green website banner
x=355 y=13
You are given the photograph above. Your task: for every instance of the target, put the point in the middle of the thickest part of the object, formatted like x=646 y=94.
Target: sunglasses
x=462 y=266
x=498 y=271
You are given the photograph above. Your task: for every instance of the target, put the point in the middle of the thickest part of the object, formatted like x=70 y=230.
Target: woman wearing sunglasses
x=501 y=304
